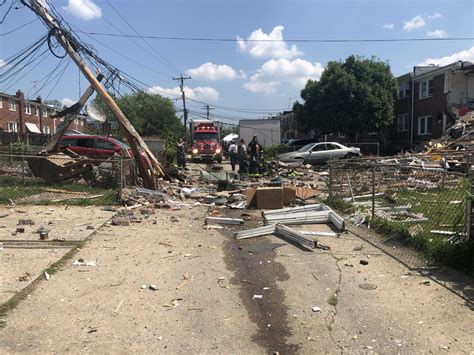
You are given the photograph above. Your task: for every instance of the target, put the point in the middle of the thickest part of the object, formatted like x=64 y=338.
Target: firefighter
x=254 y=155
x=242 y=153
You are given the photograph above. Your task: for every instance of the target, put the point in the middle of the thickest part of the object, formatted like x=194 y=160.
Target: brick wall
x=433 y=106
x=33 y=112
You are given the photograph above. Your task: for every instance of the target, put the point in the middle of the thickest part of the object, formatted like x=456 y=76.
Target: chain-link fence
x=28 y=178
x=419 y=202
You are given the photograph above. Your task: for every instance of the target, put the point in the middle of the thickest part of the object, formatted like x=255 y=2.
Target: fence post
x=121 y=178
x=373 y=190
x=23 y=168
x=330 y=181
x=469 y=212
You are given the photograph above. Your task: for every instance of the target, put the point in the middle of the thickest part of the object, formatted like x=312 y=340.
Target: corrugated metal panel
x=267 y=131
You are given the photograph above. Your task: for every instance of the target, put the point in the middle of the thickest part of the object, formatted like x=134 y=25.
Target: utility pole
x=131 y=134
x=181 y=80
x=207 y=108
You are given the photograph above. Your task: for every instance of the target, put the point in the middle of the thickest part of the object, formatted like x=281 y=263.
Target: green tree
x=150 y=114
x=351 y=97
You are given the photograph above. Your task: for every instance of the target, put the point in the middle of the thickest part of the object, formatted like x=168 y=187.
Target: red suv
x=97 y=147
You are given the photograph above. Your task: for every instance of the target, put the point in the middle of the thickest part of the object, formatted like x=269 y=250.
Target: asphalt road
x=216 y=295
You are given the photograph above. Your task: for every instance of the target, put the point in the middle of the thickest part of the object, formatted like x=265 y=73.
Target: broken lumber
x=224 y=220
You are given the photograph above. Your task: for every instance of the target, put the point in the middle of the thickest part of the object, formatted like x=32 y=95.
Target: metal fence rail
x=91 y=180
x=413 y=201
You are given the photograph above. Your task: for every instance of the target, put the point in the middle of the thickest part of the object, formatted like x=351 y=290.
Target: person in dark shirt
x=242 y=153
x=254 y=149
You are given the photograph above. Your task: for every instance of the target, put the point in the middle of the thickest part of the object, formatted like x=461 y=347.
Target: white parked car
x=319 y=153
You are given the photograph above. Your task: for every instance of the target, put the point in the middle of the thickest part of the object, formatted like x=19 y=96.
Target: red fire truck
x=205 y=141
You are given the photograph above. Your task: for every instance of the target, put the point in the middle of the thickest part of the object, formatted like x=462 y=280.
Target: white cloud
x=272 y=44
x=419 y=21
x=274 y=73
x=67 y=102
x=434 y=16
x=202 y=93
x=211 y=71
x=437 y=34
x=416 y=22
x=84 y=9
x=388 y=26
x=466 y=55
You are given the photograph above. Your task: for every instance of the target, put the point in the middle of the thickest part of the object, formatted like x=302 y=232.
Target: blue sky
x=249 y=75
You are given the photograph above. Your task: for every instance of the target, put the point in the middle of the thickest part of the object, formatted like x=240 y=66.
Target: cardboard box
x=289 y=196
x=269 y=198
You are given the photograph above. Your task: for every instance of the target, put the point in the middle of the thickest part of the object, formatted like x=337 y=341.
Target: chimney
x=21 y=108
x=40 y=101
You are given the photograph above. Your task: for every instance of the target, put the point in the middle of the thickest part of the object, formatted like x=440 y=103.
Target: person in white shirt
x=233 y=154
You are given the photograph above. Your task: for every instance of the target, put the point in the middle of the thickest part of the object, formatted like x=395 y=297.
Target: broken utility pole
x=181 y=80
x=71 y=114
x=132 y=135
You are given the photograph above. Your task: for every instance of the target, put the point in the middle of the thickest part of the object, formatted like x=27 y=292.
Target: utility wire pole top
x=207 y=108
x=181 y=80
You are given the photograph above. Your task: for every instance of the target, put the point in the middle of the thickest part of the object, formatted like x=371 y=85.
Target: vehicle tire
x=350 y=156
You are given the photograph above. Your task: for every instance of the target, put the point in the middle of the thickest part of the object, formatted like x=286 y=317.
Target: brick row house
x=22 y=116
x=429 y=101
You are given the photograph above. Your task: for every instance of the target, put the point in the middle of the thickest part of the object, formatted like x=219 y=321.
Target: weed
x=333 y=300
x=13 y=188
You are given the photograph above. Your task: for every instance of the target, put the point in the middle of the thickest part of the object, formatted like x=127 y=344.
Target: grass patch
x=333 y=300
x=339 y=204
x=445 y=209
x=13 y=188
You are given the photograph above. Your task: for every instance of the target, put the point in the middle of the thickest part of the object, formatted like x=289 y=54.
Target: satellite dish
x=96 y=113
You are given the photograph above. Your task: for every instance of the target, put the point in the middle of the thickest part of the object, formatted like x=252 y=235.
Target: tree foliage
x=351 y=97
x=150 y=114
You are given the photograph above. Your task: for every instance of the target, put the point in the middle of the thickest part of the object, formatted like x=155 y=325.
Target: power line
x=171 y=65
x=292 y=40
x=18 y=28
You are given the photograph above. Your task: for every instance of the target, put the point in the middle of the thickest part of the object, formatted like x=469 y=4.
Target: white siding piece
x=267 y=130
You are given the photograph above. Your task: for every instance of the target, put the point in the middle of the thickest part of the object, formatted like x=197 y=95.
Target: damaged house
x=430 y=100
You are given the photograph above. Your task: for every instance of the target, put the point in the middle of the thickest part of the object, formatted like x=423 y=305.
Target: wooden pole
x=75 y=109
x=131 y=134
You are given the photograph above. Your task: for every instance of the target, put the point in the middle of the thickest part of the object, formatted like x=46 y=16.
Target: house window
x=12 y=105
x=12 y=127
x=373 y=133
x=402 y=122
x=1 y=102
x=45 y=112
x=426 y=89
x=424 y=125
x=446 y=83
x=37 y=111
x=404 y=89
x=341 y=135
x=28 y=109
x=46 y=130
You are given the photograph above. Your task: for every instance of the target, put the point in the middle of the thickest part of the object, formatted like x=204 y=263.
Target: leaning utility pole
x=132 y=136
x=181 y=80
x=207 y=108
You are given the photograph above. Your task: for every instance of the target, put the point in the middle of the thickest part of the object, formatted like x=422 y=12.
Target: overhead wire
x=171 y=65
x=18 y=28
x=290 y=40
